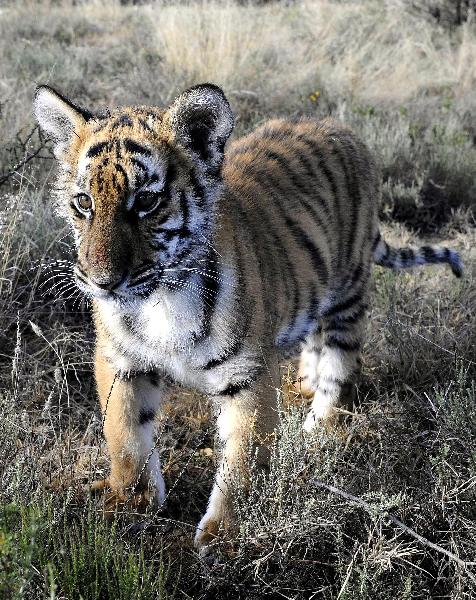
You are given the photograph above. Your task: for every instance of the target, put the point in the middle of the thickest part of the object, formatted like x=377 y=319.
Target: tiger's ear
x=58 y=117
x=202 y=121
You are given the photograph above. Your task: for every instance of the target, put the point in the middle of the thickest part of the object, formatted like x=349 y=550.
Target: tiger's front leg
x=129 y=407
x=244 y=415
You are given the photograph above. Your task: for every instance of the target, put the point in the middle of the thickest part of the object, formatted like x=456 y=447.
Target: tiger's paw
x=206 y=534
x=303 y=387
x=209 y=533
x=313 y=419
x=127 y=499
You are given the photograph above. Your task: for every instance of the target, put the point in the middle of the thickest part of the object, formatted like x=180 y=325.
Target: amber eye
x=146 y=201
x=84 y=203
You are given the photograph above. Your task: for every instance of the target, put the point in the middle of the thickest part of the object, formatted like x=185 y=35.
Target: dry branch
x=373 y=509
x=27 y=157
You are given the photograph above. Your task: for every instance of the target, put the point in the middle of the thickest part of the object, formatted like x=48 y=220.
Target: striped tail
x=405 y=258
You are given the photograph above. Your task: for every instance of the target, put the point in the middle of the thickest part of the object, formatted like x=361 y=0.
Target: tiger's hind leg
x=343 y=330
x=307 y=379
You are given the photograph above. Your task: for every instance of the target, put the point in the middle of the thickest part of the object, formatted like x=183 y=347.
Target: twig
x=372 y=509
x=418 y=334
x=6 y=176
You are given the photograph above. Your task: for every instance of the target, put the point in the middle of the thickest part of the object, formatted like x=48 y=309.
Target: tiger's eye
x=145 y=201
x=84 y=202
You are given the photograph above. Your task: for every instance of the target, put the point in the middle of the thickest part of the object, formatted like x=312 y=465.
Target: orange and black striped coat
x=207 y=265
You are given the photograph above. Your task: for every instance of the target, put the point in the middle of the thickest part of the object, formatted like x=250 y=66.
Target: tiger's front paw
x=128 y=498
x=319 y=415
x=311 y=421
x=206 y=533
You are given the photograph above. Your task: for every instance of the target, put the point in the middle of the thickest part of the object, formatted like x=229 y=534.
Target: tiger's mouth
x=130 y=287
x=107 y=287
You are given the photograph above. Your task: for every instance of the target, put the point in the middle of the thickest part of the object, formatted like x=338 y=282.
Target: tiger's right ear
x=58 y=116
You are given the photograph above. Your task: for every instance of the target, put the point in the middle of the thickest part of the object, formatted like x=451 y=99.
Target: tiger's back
x=304 y=195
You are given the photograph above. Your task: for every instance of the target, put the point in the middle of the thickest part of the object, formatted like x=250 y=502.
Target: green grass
x=321 y=523
x=45 y=552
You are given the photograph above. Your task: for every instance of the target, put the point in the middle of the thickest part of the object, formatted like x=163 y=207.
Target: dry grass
x=405 y=84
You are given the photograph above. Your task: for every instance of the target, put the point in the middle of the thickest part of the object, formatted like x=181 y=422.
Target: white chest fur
x=159 y=332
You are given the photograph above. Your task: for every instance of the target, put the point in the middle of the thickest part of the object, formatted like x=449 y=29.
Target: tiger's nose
x=108 y=281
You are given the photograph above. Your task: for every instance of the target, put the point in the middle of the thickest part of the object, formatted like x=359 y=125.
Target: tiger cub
x=206 y=267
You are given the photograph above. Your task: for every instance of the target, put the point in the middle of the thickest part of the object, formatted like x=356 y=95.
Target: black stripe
x=311 y=170
x=316 y=150
x=77 y=214
x=407 y=256
x=288 y=343
x=170 y=234
x=252 y=241
x=115 y=183
x=187 y=248
x=135 y=148
x=388 y=257
x=145 y=125
x=287 y=274
x=97 y=149
x=209 y=295
x=140 y=280
x=145 y=266
x=333 y=342
x=163 y=219
x=184 y=209
x=234 y=388
x=146 y=415
x=156 y=245
x=376 y=242
x=198 y=189
x=302 y=185
x=232 y=351
x=299 y=234
x=342 y=306
x=138 y=163
x=339 y=323
x=357 y=274
x=353 y=190
x=242 y=307
x=123 y=172
x=430 y=255
x=122 y=121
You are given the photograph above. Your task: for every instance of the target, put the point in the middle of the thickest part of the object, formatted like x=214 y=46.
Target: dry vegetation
x=329 y=519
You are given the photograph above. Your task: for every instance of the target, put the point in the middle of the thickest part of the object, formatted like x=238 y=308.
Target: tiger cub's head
x=138 y=186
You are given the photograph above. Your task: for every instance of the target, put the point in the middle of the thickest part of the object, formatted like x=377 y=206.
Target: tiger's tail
x=405 y=258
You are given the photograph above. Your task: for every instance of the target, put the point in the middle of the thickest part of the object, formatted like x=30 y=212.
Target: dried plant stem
x=373 y=509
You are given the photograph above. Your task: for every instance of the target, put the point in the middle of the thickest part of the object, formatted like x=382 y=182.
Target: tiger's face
x=138 y=187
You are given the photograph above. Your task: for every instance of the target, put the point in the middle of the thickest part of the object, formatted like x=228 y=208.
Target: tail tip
x=456 y=264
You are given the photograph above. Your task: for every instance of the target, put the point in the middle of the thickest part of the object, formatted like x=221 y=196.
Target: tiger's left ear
x=58 y=117
x=202 y=121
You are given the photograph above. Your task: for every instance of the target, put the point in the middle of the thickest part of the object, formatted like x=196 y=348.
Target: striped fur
x=207 y=268
x=406 y=258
